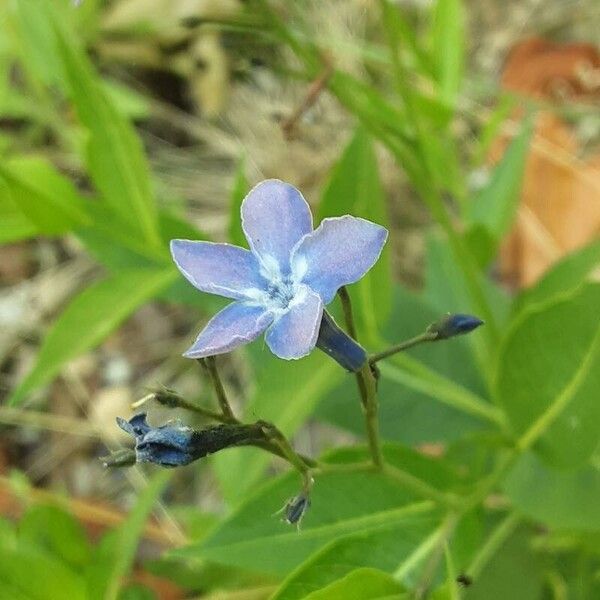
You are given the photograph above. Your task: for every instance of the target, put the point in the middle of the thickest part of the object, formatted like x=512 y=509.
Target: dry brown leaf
x=560 y=203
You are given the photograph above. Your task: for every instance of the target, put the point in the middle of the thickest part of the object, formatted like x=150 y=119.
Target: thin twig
x=312 y=95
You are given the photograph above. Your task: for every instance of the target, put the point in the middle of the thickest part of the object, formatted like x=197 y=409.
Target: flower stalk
x=367 y=387
x=210 y=365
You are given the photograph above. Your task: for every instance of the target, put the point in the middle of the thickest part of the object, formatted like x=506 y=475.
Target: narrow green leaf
x=555 y=497
x=115 y=558
x=47 y=198
x=115 y=156
x=548 y=376
x=56 y=531
x=495 y=207
x=449 y=46
x=404 y=35
x=88 y=319
x=14 y=225
x=238 y=192
x=355 y=188
x=28 y=573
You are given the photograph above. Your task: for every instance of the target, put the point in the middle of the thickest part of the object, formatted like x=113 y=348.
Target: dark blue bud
x=339 y=345
x=455 y=324
x=173 y=445
x=295 y=507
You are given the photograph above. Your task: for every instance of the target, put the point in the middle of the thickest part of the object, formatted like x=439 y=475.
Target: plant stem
x=494 y=542
x=426 y=336
x=171 y=399
x=347 y=309
x=279 y=441
x=367 y=386
x=211 y=367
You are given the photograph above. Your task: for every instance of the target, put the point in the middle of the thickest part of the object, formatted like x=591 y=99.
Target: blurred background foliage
x=469 y=128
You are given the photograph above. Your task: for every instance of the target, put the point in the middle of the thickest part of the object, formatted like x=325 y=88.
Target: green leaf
x=555 y=497
x=568 y=273
x=28 y=573
x=34 y=41
x=354 y=188
x=342 y=502
x=449 y=46
x=136 y=591
x=548 y=376
x=382 y=548
x=238 y=192
x=115 y=157
x=514 y=572
x=285 y=393
x=360 y=584
x=49 y=200
x=495 y=207
x=14 y=225
x=88 y=319
x=56 y=531
x=116 y=555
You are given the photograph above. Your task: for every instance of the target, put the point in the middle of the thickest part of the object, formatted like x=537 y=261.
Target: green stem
x=280 y=442
x=422 y=338
x=367 y=387
x=347 y=310
x=171 y=399
x=210 y=364
x=493 y=544
x=371 y=409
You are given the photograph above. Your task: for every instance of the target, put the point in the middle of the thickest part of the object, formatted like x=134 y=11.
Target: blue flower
x=283 y=282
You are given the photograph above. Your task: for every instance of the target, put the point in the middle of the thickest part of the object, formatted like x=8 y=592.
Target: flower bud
x=452 y=325
x=295 y=507
x=339 y=345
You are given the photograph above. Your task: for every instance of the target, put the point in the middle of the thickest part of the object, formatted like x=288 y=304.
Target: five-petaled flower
x=286 y=278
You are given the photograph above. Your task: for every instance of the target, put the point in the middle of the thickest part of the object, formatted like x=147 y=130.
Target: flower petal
x=220 y=269
x=237 y=324
x=340 y=251
x=295 y=333
x=275 y=216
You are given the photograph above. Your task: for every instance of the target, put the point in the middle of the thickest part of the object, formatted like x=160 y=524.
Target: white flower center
x=282 y=292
